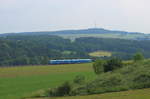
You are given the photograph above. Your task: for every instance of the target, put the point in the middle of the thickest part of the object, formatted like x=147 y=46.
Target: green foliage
x=79 y=79
x=105 y=83
x=101 y=66
x=113 y=64
x=131 y=76
x=37 y=49
x=141 y=80
x=62 y=90
x=138 y=57
x=98 y=66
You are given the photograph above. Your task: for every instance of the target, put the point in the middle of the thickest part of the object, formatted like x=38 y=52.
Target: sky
x=51 y=15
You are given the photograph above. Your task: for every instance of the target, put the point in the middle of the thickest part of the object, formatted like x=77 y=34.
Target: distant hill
x=91 y=32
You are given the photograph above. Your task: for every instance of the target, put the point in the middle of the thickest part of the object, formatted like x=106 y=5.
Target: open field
x=100 y=54
x=133 y=94
x=17 y=82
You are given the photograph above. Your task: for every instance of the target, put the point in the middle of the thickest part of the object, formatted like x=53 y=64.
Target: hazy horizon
x=76 y=29
x=53 y=15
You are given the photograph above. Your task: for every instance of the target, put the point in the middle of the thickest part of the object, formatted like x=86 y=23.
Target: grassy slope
x=130 y=72
x=18 y=82
x=136 y=94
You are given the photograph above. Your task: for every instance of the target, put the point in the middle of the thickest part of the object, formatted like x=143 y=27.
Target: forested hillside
x=25 y=50
x=120 y=47
x=90 y=32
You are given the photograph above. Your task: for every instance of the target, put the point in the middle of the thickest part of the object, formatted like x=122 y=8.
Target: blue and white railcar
x=70 y=61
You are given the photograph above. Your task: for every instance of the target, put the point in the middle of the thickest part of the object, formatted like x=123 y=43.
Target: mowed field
x=133 y=94
x=19 y=82
x=100 y=54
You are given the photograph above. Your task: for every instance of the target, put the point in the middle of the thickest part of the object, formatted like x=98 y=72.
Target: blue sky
x=49 y=15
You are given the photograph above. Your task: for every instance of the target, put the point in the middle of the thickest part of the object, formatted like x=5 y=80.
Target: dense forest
x=120 y=47
x=39 y=49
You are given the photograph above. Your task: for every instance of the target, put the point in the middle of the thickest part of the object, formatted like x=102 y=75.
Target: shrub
x=104 y=83
x=141 y=81
x=138 y=57
x=79 y=79
x=98 y=66
x=113 y=64
x=112 y=80
x=63 y=90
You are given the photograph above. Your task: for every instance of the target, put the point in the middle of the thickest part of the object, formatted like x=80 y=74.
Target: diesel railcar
x=70 y=61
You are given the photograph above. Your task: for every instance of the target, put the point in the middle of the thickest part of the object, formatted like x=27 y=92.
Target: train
x=70 y=61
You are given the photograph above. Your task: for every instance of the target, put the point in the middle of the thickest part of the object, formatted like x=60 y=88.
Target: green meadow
x=19 y=82
x=27 y=81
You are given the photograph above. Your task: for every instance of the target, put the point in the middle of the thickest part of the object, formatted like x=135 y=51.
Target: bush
x=138 y=57
x=98 y=66
x=141 y=81
x=104 y=83
x=112 y=80
x=113 y=64
x=63 y=90
x=79 y=79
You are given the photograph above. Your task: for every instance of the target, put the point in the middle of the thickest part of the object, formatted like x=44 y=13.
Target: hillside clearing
x=100 y=54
